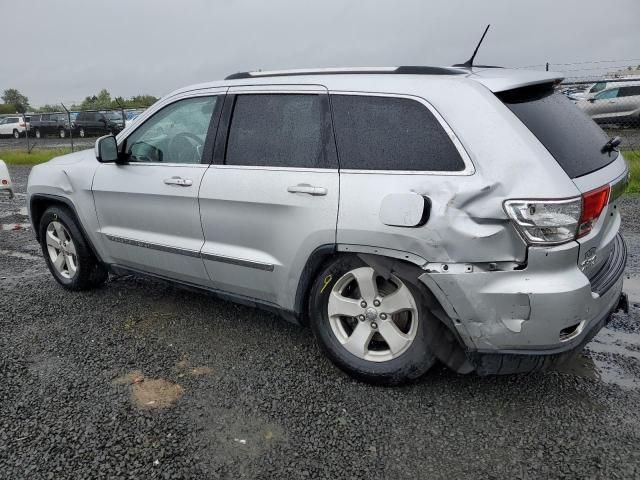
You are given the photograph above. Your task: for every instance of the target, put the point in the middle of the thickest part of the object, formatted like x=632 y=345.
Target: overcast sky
x=64 y=50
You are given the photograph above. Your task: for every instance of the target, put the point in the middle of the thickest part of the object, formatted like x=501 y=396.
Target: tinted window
x=280 y=130
x=175 y=134
x=567 y=132
x=598 y=87
x=629 y=91
x=44 y=118
x=385 y=133
x=12 y=120
x=36 y=118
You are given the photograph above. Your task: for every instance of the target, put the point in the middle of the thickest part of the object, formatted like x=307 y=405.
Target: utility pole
x=70 y=126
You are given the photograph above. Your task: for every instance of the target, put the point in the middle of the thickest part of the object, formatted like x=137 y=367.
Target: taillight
x=21 y=124
x=593 y=203
x=547 y=222
x=551 y=222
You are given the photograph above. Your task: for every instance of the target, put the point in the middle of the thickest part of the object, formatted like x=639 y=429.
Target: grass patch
x=633 y=157
x=21 y=157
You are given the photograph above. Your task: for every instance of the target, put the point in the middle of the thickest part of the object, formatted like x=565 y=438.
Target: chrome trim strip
x=154 y=246
x=192 y=253
x=238 y=261
x=619 y=185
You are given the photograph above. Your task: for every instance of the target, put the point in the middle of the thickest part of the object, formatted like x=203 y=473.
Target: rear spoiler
x=503 y=79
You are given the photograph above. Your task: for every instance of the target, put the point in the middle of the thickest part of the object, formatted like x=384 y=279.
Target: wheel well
x=318 y=258
x=39 y=204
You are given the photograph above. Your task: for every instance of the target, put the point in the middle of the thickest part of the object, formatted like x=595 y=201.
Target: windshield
x=574 y=140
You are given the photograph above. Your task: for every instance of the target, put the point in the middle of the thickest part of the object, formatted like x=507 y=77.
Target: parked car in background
x=95 y=123
x=615 y=105
x=346 y=200
x=14 y=126
x=49 y=124
x=130 y=116
x=592 y=90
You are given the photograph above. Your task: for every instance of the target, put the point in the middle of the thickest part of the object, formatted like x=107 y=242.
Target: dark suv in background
x=97 y=123
x=49 y=124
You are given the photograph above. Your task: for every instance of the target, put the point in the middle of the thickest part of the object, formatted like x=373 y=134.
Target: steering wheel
x=185 y=147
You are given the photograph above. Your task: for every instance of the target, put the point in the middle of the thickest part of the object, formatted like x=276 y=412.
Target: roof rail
x=404 y=70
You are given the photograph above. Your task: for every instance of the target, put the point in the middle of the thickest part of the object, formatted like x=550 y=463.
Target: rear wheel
x=38 y=134
x=62 y=133
x=373 y=328
x=81 y=132
x=16 y=134
x=67 y=253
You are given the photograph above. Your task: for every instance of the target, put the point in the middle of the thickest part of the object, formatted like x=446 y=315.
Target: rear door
x=148 y=209
x=271 y=197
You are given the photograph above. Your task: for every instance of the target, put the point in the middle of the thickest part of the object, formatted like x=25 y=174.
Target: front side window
x=175 y=134
x=389 y=133
x=280 y=130
x=598 y=87
x=613 y=93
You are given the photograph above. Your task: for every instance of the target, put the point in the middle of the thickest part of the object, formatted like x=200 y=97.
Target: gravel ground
x=140 y=379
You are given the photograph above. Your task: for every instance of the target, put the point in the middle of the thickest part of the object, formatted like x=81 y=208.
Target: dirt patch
x=196 y=371
x=184 y=367
x=155 y=393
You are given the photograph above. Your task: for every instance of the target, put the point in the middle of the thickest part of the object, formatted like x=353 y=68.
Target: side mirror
x=106 y=149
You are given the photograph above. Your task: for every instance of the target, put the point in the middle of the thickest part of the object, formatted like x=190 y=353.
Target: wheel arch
x=38 y=204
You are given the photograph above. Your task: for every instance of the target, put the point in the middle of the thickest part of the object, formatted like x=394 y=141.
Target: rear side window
x=574 y=140
x=629 y=91
x=388 y=133
x=281 y=130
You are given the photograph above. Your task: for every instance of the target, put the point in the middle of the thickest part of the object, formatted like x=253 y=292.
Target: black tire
x=410 y=365
x=62 y=133
x=90 y=272
x=16 y=134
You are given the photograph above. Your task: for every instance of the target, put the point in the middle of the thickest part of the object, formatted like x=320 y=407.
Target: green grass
x=21 y=157
x=633 y=157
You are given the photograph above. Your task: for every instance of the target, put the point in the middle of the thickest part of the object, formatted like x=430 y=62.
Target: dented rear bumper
x=548 y=308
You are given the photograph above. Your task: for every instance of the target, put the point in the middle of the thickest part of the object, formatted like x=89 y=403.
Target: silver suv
x=407 y=214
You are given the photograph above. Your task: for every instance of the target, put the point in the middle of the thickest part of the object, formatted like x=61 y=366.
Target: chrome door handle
x=308 y=189
x=179 y=181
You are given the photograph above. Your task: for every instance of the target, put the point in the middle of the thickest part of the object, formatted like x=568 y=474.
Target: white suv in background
x=14 y=126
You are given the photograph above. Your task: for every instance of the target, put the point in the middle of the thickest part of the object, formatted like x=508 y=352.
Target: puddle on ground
x=601 y=363
x=632 y=288
x=24 y=256
x=21 y=211
x=10 y=227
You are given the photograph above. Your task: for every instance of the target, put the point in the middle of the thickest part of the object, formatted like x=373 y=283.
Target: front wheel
x=372 y=327
x=68 y=256
x=62 y=133
x=38 y=134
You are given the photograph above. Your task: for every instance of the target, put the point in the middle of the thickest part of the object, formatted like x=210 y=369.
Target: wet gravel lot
x=140 y=379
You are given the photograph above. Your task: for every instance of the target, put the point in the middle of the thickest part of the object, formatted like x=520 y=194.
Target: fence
x=71 y=129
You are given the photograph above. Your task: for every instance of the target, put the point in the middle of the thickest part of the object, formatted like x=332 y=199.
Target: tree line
x=14 y=101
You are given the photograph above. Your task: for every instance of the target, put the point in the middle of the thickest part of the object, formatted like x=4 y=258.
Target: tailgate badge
x=589 y=260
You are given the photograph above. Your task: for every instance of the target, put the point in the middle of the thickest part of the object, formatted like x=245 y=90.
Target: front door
x=148 y=208
x=271 y=196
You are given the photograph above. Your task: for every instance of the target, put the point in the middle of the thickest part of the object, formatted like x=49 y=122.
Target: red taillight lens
x=593 y=203
x=21 y=124
x=4 y=182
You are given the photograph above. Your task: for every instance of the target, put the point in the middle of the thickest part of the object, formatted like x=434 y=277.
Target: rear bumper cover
x=524 y=320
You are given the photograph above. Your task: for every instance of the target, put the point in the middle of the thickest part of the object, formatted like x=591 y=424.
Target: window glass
x=175 y=134
x=574 y=140
x=387 y=133
x=613 y=93
x=44 y=118
x=279 y=130
x=598 y=87
x=629 y=91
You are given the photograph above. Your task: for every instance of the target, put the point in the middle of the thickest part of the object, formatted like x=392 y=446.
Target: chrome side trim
x=192 y=253
x=238 y=261
x=619 y=185
x=154 y=246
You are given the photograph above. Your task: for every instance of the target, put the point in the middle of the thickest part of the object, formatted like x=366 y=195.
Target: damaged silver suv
x=408 y=214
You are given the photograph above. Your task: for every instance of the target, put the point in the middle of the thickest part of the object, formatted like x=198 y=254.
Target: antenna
x=469 y=63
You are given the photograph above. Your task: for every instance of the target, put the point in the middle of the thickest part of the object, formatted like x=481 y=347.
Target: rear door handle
x=178 y=181
x=308 y=189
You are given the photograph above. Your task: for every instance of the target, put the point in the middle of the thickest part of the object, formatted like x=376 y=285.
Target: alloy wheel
x=62 y=250
x=375 y=319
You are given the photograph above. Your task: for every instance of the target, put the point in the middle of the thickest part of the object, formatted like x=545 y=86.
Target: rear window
x=389 y=133
x=574 y=140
